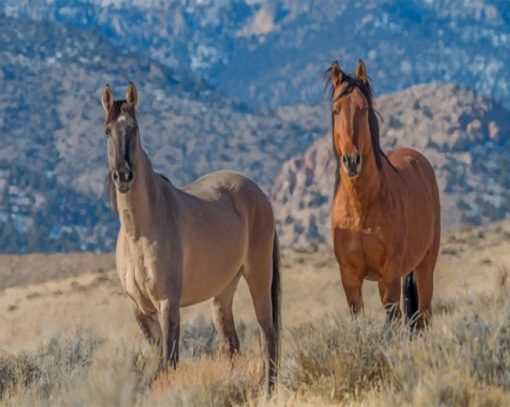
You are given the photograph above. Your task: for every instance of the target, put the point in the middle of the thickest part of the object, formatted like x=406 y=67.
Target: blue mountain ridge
x=269 y=53
x=53 y=150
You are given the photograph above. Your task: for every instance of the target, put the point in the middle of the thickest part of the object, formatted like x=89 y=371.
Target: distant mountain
x=464 y=134
x=213 y=77
x=53 y=149
x=39 y=214
x=266 y=52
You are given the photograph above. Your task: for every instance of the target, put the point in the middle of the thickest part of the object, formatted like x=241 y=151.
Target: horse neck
x=358 y=194
x=137 y=206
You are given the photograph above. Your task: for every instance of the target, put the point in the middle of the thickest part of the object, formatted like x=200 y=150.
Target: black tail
x=275 y=291
x=410 y=300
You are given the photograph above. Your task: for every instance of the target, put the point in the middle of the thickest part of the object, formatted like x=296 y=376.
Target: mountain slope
x=465 y=135
x=51 y=124
x=272 y=52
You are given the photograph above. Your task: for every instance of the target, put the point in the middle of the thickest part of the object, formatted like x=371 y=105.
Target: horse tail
x=276 y=292
x=410 y=292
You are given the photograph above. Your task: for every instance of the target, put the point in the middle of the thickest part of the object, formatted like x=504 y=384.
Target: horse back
x=232 y=191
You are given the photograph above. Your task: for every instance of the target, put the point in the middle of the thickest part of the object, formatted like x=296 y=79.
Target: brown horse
x=180 y=247
x=386 y=213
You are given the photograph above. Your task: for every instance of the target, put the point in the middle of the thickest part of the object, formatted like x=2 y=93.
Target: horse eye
x=336 y=112
x=108 y=132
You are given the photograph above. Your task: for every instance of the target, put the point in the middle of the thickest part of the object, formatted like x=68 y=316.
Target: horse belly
x=212 y=263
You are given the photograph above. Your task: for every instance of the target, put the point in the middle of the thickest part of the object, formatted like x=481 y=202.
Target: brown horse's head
x=121 y=130
x=355 y=127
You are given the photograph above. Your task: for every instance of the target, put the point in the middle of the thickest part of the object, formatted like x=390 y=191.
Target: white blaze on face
x=121 y=119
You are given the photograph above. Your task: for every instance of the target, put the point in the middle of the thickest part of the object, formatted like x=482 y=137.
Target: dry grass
x=463 y=359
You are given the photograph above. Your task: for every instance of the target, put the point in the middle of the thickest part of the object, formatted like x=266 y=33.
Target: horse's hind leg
x=258 y=274
x=424 y=275
x=410 y=294
x=223 y=319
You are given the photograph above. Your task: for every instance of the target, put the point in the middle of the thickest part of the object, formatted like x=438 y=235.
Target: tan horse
x=386 y=213
x=181 y=247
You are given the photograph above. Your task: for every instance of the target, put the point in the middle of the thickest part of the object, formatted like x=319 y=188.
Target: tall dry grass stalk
x=463 y=359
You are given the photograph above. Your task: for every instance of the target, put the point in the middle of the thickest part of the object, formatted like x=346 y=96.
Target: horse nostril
x=129 y=176
x=357 y=158
x=115 y=175
x=345 y=159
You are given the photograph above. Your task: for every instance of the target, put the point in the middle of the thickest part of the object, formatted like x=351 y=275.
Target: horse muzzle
x=123 y=179
x=352 y=164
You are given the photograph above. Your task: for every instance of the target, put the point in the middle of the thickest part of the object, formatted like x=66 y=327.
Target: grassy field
x=68 y=337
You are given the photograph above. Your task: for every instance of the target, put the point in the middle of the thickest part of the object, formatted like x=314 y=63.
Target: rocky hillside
x=206 y=73
x=464 y=134
x=272 y=52
x=53 y=150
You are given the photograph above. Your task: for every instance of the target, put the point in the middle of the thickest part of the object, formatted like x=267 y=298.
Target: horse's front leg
x=169 y=319
x=149 y=326
x=389 y=290
x=352 y=283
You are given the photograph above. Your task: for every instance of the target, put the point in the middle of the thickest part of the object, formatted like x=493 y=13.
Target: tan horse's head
x=121 y=129
x=355 y=127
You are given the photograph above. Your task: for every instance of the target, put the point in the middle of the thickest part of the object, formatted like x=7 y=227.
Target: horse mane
x=111 y=192
x=164 y=177
x=373 y=122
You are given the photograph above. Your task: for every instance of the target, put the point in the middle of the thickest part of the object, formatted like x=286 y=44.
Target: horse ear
x=132 y=94
x=336 y=74
x=107 y=99
x=361 y=71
